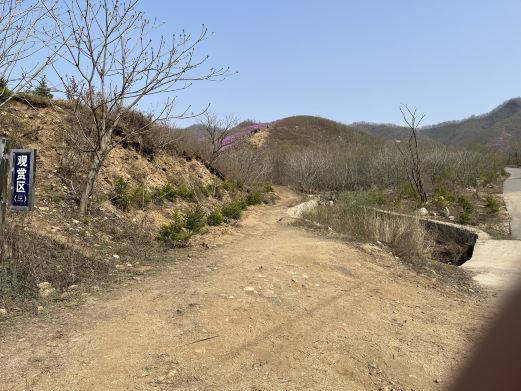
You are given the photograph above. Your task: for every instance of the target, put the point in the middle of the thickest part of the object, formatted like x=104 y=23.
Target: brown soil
x=260 y=138
x=269 y=306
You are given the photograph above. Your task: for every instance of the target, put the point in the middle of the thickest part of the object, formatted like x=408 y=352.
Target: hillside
x=197 y=130
x=385 y=131
x=54 y=244
x=301 y=130
x=308 y=131
x=390 y=131
x=499 y=128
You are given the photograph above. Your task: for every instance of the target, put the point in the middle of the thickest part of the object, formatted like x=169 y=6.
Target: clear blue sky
x=354 y=60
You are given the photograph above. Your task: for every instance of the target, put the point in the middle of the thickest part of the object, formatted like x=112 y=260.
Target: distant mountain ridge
x=385 y=131
x=498 y=128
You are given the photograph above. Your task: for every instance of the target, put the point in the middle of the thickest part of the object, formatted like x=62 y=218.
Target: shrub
x=441 y=197
x=267 y=188
x=441 y=192
x=213 y=190
x=137 y=120
x=164 y=192
x=492 y=204
x=228 y=185
x=374 y=197
x=141 y=196
x=124 y=196
x=254 y=198
x=185 y=193
x=170 y=192
x=215 y=218
x=242 y=203
x=158 y=196
x=233 y=210
x=465 y=204
x=195 y=219
x=466 y=210
x=205 y=191
x=408 y=191
x=72 y=88
x=121 y=195
x=439 y=202
x=175 y=233
x=464 y=217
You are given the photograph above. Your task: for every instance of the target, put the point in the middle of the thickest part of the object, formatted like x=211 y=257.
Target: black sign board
x=22 y=180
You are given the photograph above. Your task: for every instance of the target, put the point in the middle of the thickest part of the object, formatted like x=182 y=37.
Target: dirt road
x=271 y=307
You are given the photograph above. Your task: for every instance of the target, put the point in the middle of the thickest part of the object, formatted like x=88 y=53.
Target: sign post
x=4 y=170
x=22 y=179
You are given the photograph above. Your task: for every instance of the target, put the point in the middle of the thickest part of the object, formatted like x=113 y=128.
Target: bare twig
x=20 y=40
x=201 y=340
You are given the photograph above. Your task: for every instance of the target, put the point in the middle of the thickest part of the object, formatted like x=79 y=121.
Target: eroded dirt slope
x=270 y=307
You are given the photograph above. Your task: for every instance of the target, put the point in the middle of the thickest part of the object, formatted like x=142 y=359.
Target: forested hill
x=500 y=127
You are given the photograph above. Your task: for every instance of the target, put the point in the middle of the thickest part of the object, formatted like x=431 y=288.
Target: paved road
x=497 y=263
x=512 y=191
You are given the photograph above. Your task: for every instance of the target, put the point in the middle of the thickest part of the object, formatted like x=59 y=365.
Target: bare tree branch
x=412 y=158
x=117 y=65
x=20 y=21
x=217 y=130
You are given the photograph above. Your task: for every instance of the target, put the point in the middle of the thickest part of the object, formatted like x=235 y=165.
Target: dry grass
x=26 y=259
x=16 y=129
x=33 y=100
x=406 y=237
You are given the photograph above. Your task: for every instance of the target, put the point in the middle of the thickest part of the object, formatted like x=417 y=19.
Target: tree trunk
x=95 y=166
x=89 y=185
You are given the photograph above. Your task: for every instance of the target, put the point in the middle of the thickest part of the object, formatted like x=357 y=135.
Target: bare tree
x=118 y=64
x=19 y=41
x=412 y=155
x=514 y=153
x=217 y=131
x=309 y=168
x=246 y=163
